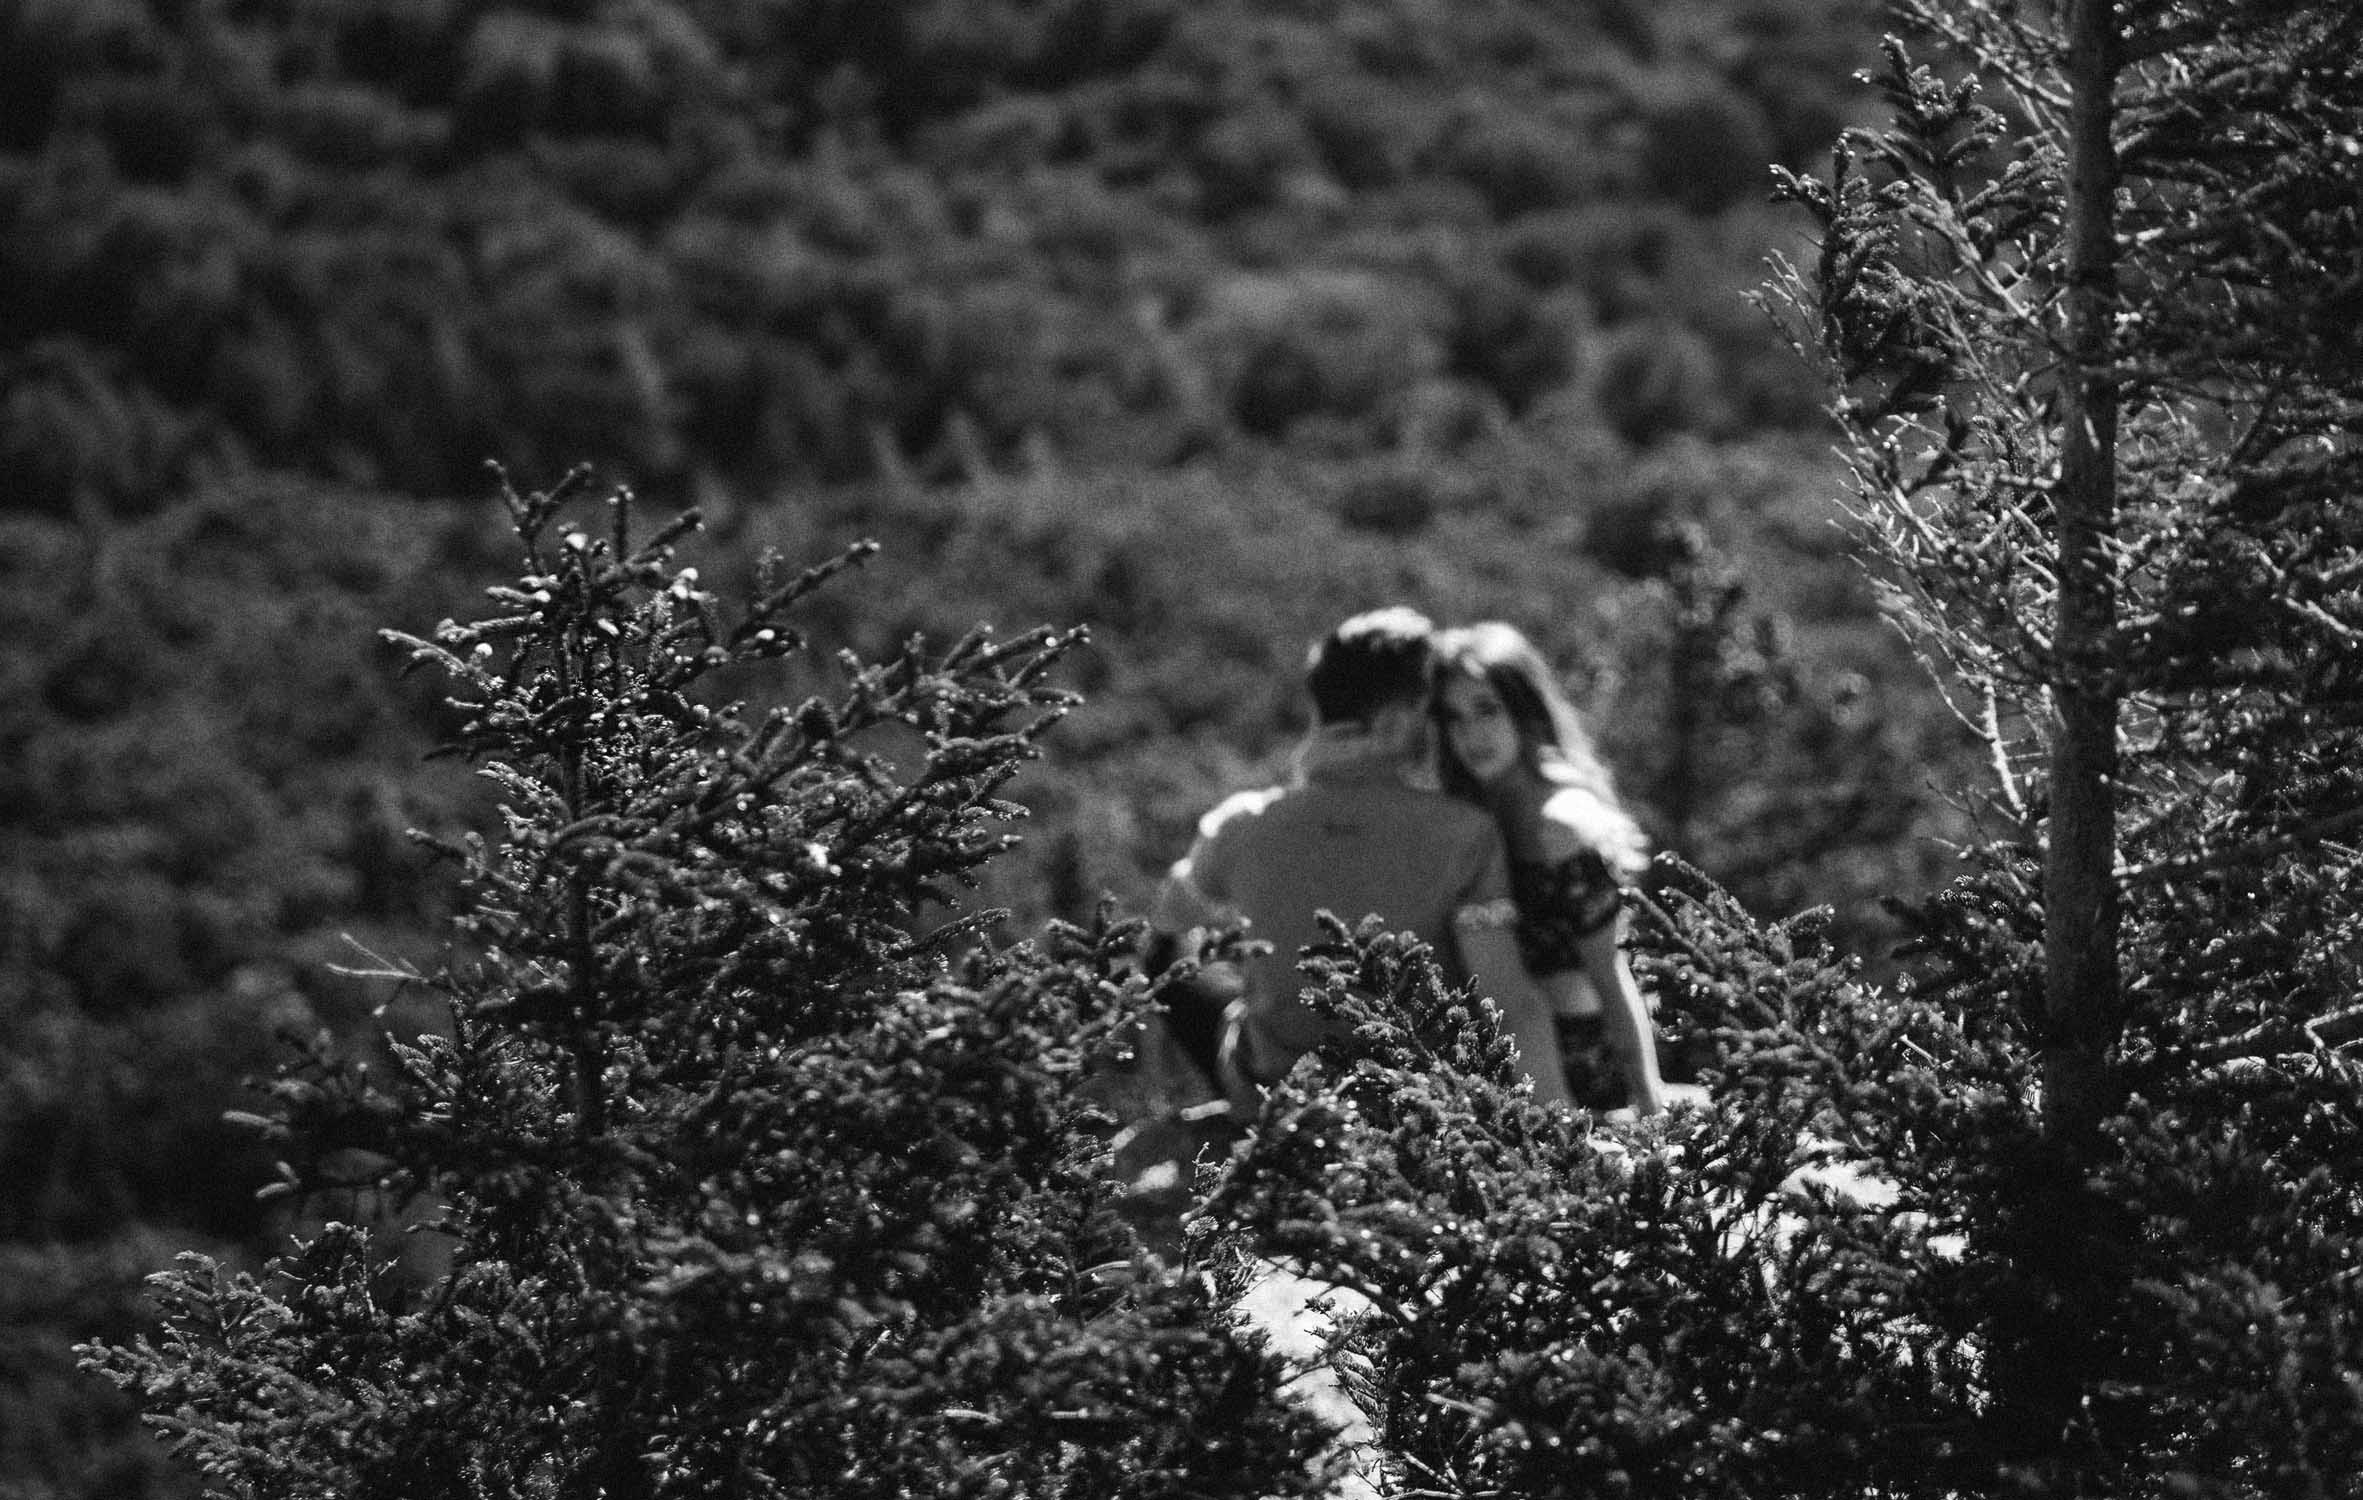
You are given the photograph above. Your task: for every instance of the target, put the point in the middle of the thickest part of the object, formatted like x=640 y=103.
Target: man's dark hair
x=1378 y=658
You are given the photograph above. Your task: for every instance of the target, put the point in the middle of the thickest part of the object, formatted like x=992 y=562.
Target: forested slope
x=761 y=243
x=1200 y=323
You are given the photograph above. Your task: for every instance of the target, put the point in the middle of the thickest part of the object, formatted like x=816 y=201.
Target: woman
x=1511 y=742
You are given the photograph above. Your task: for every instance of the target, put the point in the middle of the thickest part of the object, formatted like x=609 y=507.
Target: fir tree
x=2098 y=363
x=748 y=1176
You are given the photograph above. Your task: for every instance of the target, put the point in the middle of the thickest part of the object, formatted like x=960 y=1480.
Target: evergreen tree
x=2099 y=366
x=744 y=1178
x=1762 y=758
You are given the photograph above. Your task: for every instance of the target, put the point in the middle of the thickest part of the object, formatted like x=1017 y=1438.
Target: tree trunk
x=2049 y=1347
x=2079 y=883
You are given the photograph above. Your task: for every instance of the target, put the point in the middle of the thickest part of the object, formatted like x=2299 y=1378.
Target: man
x=1354 y=835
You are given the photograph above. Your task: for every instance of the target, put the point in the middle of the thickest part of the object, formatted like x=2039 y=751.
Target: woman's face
x=1478 y=727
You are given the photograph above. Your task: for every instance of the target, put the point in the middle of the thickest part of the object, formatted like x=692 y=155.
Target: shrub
x=1704 y=141
x=1550 y=1307
x=1656 y=378
x=747 y=1178
x=1286 y=348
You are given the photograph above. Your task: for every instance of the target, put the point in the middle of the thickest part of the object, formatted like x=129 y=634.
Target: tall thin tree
x=2097 y=357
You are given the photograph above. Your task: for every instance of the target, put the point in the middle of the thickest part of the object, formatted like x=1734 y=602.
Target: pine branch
x=2314 y=834
x=2282 y=1039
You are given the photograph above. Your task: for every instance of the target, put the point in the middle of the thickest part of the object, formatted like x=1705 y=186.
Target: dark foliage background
x=1201 y=324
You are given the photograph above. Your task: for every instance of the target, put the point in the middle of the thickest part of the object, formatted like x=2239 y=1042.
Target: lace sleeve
x=1560 y=904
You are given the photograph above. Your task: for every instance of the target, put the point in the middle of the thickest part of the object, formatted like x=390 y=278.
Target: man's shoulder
x=1418 y=817
x=1316 y=809
x=1441 y=809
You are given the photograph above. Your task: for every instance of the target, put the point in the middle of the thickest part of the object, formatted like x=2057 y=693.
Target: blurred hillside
x=1203 y=322
x=755 y=244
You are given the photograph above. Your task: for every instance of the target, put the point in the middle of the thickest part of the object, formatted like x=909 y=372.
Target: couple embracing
x=1447 y=787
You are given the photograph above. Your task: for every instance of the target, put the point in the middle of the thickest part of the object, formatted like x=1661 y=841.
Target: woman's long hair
x=1552 y=739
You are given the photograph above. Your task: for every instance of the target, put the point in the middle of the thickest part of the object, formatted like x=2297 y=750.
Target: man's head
x=1378 y=661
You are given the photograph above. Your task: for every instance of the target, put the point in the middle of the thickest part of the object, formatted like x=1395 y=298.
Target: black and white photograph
x=1181 y=749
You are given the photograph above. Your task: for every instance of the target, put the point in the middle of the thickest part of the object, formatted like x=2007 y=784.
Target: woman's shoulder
x=1578 y=820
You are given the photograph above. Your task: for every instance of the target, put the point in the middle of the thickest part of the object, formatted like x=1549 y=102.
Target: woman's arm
x=1625 y=1016
x=1577 y=824
x=1491 y=956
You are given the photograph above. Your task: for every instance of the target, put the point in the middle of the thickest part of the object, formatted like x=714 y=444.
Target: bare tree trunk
x=2079 y=883
x=2050 y=1345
